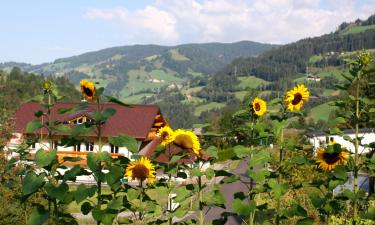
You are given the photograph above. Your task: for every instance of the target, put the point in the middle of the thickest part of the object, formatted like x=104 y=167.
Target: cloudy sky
x=43 y=30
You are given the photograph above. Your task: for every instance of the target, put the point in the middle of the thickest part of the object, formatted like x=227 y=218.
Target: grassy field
x=357 y=29
x=240 y=95
x=136 y=99
x=330 y=92
x=139 y=81
x=177 y=56
x=250 y=82
x=207 y=107
x=195 y=74
x=321 y=112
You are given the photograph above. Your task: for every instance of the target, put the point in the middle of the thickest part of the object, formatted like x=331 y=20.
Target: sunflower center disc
x=257 y=107
x=87 y=91
x=140 y=172
x=297 y=98
x=331 y=158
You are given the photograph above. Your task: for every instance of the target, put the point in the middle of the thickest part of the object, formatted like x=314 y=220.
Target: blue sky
x=41 y=31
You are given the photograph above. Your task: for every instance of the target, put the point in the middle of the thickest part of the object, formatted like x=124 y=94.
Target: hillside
x=195 y=81
x=323 y=59
x=138 y=69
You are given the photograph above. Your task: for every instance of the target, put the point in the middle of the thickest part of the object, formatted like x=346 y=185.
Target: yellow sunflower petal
x=328 y=161
x=141 y=170
x=259 y=106
x=88 y=90
x=187 y=140
x=295 y=98
x=166 y=134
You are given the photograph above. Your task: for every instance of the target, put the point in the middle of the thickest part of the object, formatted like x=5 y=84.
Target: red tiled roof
x=135 y=121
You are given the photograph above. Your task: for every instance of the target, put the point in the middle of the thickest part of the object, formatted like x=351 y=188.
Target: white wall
x=320 y=140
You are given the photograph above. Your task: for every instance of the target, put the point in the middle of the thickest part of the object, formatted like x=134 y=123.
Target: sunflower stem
x=356 y=145
x=99 y=181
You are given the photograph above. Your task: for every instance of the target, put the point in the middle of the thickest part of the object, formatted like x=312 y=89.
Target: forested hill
x=291 y=59
x=17 y=87
x=205 y=58
x=288 y=64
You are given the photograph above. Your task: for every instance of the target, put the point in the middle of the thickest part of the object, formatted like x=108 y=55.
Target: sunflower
x=259 y=106
x=141 y=170
x=166 y=134
x=329 y=161
x=47 y=85
x=296 y=97
x=187 y=140
x=88 y=89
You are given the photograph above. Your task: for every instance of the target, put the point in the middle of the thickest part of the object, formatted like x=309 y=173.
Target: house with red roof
x=138 y=121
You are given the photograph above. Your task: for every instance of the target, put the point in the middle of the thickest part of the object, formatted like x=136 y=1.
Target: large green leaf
x=33 y=126
x=125 y=141
x=306 y=221
x=241 y=151
x=44 y=158
x=113 y=177
x=259 y=158
x=38 y=216
x=116 y=203
x=86 y=208
x=83 y=192
x=58 y=192
x=159 y=194
x=115 y=100
x=243 y=209
x=296 y=210
x=278 y=189
x=31 y=183
x=258 y=175
x=93 y=161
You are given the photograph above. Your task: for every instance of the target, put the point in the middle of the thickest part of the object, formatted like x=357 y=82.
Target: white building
x=320 y=139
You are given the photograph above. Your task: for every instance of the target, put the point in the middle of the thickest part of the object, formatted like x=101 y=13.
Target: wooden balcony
x=82 y=155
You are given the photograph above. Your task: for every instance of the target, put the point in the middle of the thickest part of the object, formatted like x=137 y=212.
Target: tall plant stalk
x=99 y=181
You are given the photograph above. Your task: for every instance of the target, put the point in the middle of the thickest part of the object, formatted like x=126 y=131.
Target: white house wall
x=367 y=138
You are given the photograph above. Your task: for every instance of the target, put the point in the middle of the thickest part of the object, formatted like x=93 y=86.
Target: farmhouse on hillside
x=138 y=121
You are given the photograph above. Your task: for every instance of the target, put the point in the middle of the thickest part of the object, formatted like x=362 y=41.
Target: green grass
x=207 y=107
x=193 y=100
x=240 y=94
x=195 y=74
x=151 y=57
x=357 y=29
x=315 y=58
x=136 y=99
x=162 y=75
x=177 y=56
x=193 y=89
x=251 y=82
x=321 y=112
x=330 y=92
x=76 y=208
x=139 y=81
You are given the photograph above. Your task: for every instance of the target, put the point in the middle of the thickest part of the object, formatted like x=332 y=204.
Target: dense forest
x=18 y=87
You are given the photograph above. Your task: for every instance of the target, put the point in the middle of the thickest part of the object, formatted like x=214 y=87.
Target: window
x=78 y=121
x=77 y=147
x=55 y=144
x=89 y=146
x=114 y=149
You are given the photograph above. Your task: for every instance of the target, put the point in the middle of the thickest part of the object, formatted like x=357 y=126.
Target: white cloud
x=275 y=21
x=144 y=24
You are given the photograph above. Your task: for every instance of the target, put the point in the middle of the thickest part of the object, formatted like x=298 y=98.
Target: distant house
x=320 y=139
x=138 y=121
x=311 y=77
